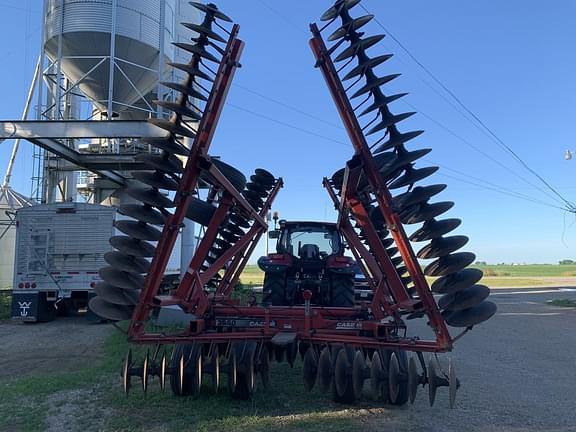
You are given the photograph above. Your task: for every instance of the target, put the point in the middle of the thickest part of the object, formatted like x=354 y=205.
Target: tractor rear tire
x=274 y=289
x=342 y=290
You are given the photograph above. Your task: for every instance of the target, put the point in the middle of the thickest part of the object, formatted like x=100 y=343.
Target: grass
x=562 y=303
x=5 y=304
x=27 y=402
x=494 y=275
x=531 y=270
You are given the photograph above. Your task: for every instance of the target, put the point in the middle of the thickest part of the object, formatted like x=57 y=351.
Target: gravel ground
x=62 y=345
x=517 y=370
x=517 y=373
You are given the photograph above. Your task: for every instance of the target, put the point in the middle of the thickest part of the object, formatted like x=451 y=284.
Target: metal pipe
x=8 y=175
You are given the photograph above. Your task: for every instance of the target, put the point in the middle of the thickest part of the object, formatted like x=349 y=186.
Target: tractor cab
x=309 y=256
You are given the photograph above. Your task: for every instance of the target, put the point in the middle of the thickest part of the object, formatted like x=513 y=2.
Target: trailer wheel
x=274 y=289
x=342 y=290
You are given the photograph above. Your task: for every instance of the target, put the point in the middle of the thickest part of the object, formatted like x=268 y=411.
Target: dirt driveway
x=65 y=344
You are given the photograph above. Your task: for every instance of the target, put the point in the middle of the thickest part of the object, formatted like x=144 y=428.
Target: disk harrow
x=345 y=350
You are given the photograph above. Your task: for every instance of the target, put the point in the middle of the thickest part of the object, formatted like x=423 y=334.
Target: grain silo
x=10 y=202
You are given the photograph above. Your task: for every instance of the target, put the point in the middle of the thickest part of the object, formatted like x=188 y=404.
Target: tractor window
x=327 y=240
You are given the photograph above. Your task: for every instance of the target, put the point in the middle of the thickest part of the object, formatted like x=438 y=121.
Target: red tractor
x=309 y=257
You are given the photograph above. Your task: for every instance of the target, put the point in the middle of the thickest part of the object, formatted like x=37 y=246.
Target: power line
x=491 y=187
x=499 y=141
x=480 y=151
x=288 y=125
x=290 y=107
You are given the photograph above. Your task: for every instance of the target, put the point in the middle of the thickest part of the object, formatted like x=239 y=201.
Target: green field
x=494 y=275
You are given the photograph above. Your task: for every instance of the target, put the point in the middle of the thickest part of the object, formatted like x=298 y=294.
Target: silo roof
x=10 y=199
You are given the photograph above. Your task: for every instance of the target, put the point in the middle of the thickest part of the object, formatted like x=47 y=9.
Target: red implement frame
x=199 y=153
x=216 y=318
x=349 y=204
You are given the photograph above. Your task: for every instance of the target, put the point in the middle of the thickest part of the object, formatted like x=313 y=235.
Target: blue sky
x=513 y=63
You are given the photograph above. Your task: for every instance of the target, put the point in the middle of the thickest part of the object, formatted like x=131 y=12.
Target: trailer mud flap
x=32 y=307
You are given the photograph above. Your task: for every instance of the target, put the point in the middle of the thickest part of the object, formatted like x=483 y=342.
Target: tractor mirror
x=274 y=234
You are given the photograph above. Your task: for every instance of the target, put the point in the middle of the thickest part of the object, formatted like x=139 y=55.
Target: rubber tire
x=200 y=211
x=342 y=290
x=234 y=176
x=404 y=391
x=274 y=289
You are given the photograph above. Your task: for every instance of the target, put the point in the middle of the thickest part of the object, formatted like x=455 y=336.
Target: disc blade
x=456 y=281
x=120 y=279
x=197 y=49
x=159 y=162
x=180 y=109
x=200 y=211
x=324 y=370
x=211 y=9
x=473 y=316
x=156 y=179
x=132 y=246
x=432 y=381
x=361 y=68
x=433 y=229
x=342 y=374
x=412 y=379
x=145 y=371
x=449 y=264
x=412 y=176
x=309 y=369
x=442 y=246
x=452 y=383
x=150 y=196
x=142 y=213
x=239 y=220
x=169 y=144
x=109 y=311
x=465 y=299
x=373 y=84
x=206 y=32
x=116 y=296
x=379 y=378
x=350 y=26
x=172 y=127
x=361 y=45
x=423 y=212
x=186 y=90
x=419 y=194
x=403 y=158
x=333 y=12
x=359 y=373
x=396 y=139
x=388 y=121
x=127 y=263
x=138 y=230
x=381 y=103
x=191 y=70
x=126 y=378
